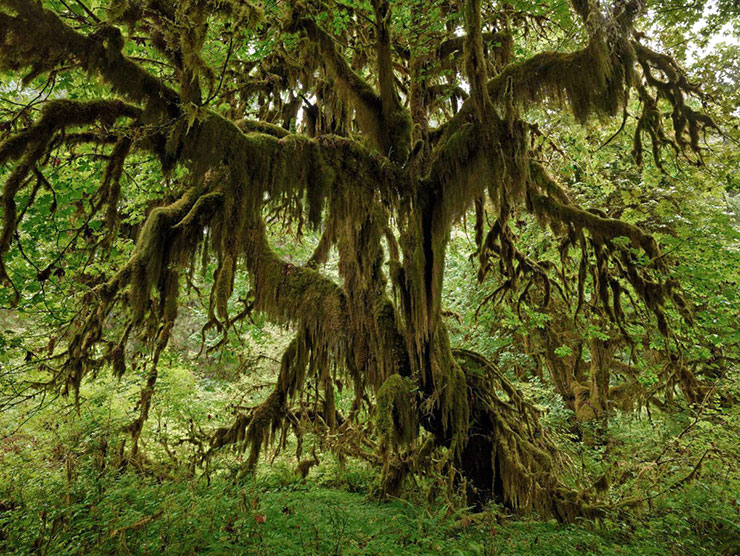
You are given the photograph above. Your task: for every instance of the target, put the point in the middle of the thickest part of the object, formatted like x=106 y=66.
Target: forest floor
x=331 y=513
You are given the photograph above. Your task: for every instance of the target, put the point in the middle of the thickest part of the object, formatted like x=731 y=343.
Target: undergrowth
x=65 y=497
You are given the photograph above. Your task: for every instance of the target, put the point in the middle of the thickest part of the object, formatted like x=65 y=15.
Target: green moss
x=396 y=414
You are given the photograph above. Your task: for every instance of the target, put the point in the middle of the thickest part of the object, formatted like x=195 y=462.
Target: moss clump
x=396 y=414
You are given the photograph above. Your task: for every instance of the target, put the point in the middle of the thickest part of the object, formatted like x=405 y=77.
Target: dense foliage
x=264 y=263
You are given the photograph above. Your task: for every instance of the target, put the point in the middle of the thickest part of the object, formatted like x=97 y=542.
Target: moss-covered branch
x=31 y=144
x=382 y=119
x=34 y=38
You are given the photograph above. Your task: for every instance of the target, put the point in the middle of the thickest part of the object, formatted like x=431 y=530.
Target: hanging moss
x=153 y=252
x=591 y=80
x=110 y=191
x=385 y=122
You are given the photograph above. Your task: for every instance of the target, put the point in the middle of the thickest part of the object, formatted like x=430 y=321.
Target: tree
x=380 y=125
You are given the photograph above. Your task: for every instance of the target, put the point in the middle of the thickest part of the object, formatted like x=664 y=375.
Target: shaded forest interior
x=470 y=263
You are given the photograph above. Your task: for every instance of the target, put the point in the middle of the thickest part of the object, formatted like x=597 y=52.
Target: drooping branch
x=31 y=144
x=592 y=80
x=601 y=228
x=686 y=120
